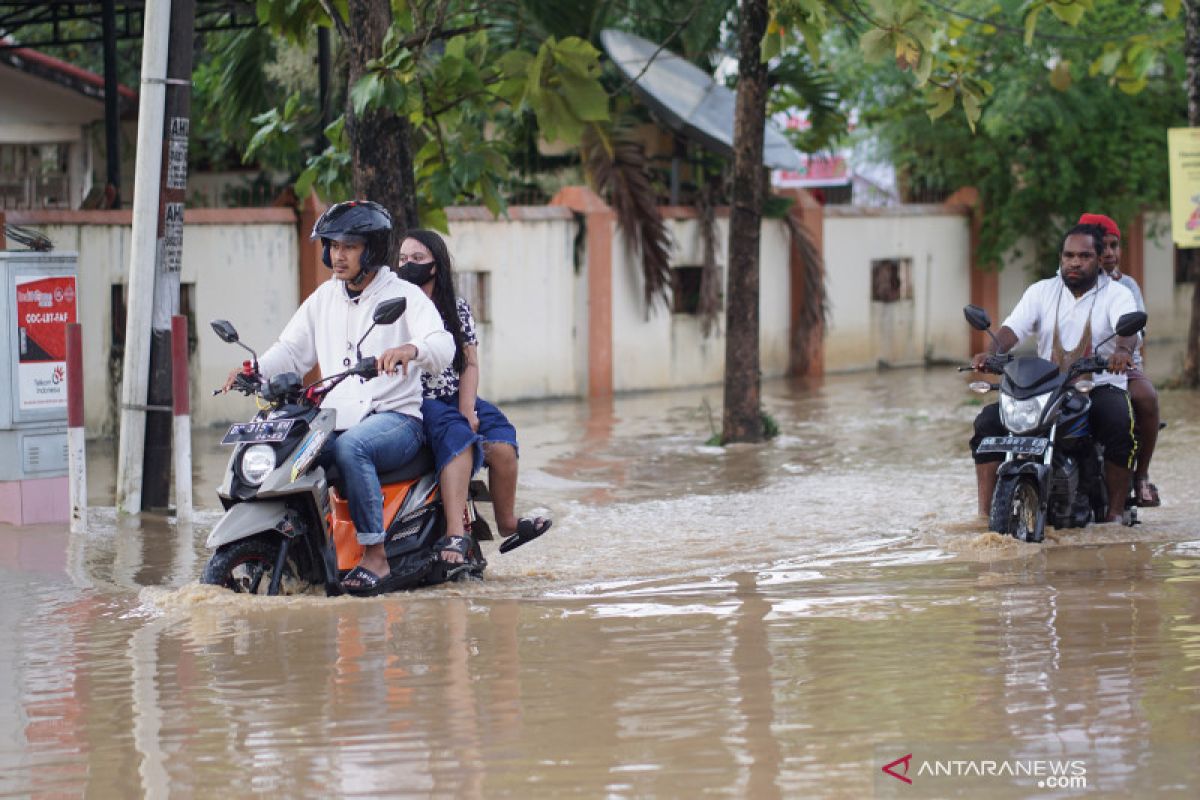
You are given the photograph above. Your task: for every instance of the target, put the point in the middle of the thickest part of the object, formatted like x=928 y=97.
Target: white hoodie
x=325 y=328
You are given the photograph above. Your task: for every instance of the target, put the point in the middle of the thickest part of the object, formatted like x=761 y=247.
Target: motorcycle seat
x=419 y=465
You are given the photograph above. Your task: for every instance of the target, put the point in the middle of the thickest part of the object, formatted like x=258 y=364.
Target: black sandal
x=455 y=544
x=527 y=530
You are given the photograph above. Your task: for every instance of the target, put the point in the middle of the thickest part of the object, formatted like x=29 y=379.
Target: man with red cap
x=1142 y=394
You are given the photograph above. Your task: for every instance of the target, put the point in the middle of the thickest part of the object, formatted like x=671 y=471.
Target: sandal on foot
x=1147 y=493
x=527 y=530
x=455 y=544
x=361 y=582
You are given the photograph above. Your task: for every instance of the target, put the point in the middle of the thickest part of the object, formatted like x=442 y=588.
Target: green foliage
x=1057 y=137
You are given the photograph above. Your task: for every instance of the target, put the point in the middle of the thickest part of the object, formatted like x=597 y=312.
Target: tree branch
x=339 y=23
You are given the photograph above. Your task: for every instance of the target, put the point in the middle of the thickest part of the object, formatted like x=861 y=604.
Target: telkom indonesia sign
x=44 y=307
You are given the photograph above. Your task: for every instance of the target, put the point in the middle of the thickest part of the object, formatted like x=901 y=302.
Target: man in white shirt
x=378 y=422
x=1071 y=312
x=1142 y=393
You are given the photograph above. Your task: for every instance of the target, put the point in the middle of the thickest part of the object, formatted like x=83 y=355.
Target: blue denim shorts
x=449 y=433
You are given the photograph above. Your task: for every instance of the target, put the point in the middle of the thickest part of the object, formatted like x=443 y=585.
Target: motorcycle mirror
x=225 y=330
x=389 y=311
x=977 y=318
x=1131 y=323
x=385 y=313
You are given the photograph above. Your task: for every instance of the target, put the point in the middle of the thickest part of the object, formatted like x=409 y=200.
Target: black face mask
x=420 y=274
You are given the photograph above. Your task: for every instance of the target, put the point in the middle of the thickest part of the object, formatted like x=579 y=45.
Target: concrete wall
x=529 y=348
x=1169 y=305
x=863 y=333
x=665 y=349
x=535 y=342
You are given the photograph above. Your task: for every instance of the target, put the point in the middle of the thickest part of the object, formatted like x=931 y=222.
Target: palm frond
x=616 y=166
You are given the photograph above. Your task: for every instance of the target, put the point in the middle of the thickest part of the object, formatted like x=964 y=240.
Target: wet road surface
x=777 y=620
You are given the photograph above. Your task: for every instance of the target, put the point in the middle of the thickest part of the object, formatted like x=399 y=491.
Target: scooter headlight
x=1022 y=416
x=257 y=463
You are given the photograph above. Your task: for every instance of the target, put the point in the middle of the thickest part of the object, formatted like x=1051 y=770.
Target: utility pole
x=156 y=477
x=139 y=287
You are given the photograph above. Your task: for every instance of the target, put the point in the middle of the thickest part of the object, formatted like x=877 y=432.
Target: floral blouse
x=446 y=384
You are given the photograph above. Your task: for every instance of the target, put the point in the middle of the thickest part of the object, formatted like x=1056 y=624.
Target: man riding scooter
x=378 y=422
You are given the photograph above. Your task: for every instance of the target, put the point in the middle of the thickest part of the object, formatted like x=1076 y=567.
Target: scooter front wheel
x=1016 y=510
x=247 y=566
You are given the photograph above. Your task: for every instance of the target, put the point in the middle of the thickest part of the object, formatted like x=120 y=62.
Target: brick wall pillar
x=985 y=283
x=312 y=272
x=599 y=221
x=806 y=351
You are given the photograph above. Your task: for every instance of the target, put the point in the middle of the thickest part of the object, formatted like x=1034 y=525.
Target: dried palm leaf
x=616 y=165
x=813 y=314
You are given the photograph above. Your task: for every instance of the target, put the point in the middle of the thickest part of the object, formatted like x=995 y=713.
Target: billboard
x=1183 y=156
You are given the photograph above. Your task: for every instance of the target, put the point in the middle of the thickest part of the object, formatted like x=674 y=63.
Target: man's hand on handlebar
x=1120 y=360
x=395 y=357
x=989 y=362
x=238 y=379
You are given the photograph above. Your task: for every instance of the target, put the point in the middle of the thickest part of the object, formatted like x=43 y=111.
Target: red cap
x=1101 y=220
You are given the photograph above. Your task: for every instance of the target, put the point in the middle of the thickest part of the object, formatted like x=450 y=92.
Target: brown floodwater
x=780 y=620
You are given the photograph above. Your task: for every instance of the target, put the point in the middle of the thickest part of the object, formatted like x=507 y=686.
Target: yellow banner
x=1183 y=148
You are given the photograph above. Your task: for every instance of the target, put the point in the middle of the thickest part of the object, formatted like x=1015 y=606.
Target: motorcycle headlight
x=1022 y=416
x=257 y=463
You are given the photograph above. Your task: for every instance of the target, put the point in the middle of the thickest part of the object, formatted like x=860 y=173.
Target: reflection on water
x=770 y=621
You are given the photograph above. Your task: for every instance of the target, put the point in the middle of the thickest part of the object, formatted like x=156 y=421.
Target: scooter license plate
x=265 y=431
x=1021 y=445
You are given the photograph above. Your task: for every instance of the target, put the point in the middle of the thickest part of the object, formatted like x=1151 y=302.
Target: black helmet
x=356 y=222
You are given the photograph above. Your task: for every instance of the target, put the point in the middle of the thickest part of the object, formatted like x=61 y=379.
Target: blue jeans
x=381 y=442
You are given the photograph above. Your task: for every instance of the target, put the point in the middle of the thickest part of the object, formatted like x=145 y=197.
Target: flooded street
x=779 y=620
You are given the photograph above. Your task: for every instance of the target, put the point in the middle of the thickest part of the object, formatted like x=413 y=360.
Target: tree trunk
x=380 y=139
x=1191 y=362
x=742 y=420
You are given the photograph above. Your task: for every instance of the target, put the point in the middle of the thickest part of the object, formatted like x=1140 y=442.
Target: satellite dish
x=688 y=99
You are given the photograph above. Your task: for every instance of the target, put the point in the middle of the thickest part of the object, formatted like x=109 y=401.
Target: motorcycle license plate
x=250 y=432
x=1021 y=445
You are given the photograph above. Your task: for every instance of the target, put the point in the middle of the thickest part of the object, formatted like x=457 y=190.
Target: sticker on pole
x=45 y=306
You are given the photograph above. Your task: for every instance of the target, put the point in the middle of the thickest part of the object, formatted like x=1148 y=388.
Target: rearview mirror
x=1131 y=323
x=389 y=311
x=977 y=318
x=225 y=330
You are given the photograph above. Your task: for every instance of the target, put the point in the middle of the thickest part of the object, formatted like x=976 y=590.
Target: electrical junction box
x=38 y=302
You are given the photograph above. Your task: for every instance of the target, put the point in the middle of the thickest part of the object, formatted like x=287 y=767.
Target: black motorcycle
x=1053 y=472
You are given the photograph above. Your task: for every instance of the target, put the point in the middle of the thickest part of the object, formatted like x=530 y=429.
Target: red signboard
x=44 y=308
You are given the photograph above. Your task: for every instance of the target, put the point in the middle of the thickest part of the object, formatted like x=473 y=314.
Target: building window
x=1187 y=266
x=474 y=288
x=891 y=280
x=35 y=176
x=685 y=289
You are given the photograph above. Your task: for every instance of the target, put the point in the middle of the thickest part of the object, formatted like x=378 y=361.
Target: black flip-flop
x=370 y=584
x=527 y=530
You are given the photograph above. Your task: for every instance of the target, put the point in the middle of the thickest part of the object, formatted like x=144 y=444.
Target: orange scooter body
x=341 y=527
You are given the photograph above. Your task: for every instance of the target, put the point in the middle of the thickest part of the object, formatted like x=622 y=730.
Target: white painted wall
x=535 y=344
x=529 y=348
x=862 y=333
x=1169 y=305
x=666 y=350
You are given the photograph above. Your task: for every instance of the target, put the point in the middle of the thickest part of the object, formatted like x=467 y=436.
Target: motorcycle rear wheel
x=1015 y=508
x=246 y=567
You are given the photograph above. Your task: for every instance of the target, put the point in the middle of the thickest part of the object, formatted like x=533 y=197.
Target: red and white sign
x=44 y=308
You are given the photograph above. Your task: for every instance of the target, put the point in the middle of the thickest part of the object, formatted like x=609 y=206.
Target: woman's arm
x=468 y=386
